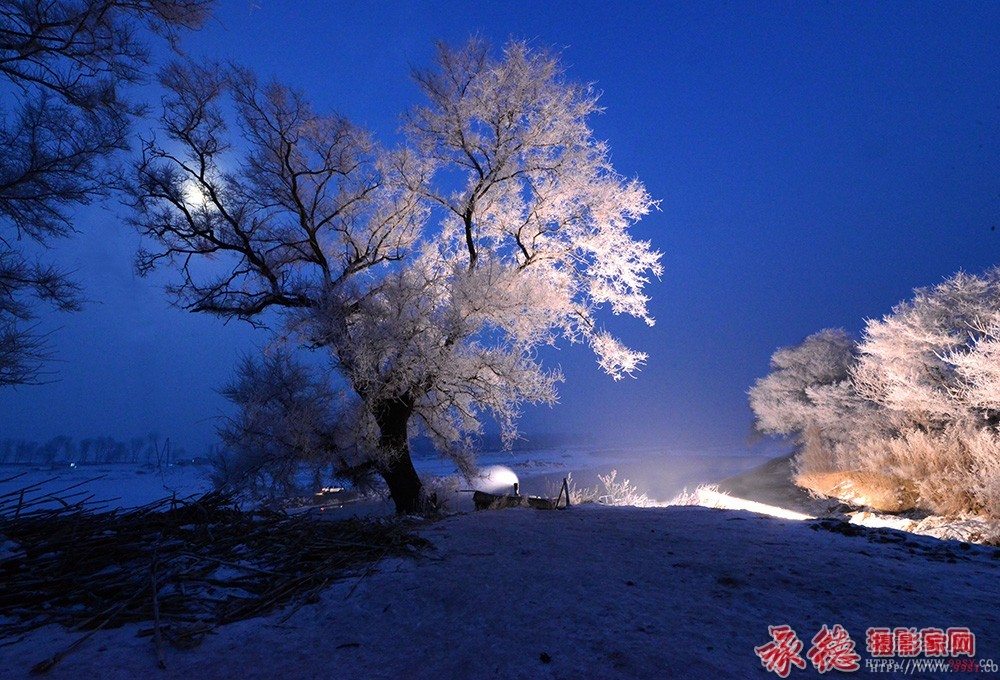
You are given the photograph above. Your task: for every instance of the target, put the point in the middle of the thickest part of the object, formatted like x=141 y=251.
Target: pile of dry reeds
x=183 y=566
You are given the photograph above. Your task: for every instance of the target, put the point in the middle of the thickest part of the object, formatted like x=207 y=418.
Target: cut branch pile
x=184 y=566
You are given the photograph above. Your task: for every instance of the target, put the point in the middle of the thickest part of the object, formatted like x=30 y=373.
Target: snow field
x=600 y=592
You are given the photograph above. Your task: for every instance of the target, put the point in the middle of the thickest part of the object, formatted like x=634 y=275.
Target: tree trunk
x=392 y=417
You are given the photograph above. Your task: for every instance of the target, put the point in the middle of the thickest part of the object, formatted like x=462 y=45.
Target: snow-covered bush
x=907 y=417
x=805 y=386
x=938 y=464
x=950 y=471
x=621 y=493
x=810 y=398
x=577 y=494
x=613 y=493
x=704 y=495
x=985 y=455
x=809 y=390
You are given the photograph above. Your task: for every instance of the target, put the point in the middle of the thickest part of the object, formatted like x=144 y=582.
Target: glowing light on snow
x=714 y=499
x=495 y=479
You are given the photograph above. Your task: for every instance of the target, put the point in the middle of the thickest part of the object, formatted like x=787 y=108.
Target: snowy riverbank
x=589 y=592
x=660 y=474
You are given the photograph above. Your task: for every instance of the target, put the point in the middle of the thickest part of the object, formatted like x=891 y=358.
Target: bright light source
x=194 y=195
x=495 y=479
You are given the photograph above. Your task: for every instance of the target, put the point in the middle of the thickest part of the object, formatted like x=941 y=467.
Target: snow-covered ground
x=660 y=474
x=108 y=485
x=111 y=485
x=592 y=592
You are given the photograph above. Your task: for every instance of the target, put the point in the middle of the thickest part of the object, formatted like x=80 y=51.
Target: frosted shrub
x=937 y=464
x=704 y=495
x=444 y=492
x=952 y=471
x=809 y=397
x=614 y=492
x=814 y=455
x=577 y=494
x=622 y=493
x=985 y=451
x=906 y=418
x=794 y=396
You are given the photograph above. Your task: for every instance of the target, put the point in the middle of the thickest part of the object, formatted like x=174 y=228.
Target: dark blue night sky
x=815 y=162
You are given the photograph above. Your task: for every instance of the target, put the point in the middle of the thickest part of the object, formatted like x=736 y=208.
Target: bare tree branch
x=67 y=64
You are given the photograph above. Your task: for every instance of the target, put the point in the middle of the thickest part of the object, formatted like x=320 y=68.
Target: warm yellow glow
x=710 y=498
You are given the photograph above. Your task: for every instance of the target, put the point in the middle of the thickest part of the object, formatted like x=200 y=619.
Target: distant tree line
x=149 y=450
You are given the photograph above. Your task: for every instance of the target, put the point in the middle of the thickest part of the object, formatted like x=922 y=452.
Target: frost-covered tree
x=532 y=190
x=911 y=412
x=64 y=65
x=808 y=385
x=930 y=360
x=431 y=274
x=287 y=415
x=977 y=368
